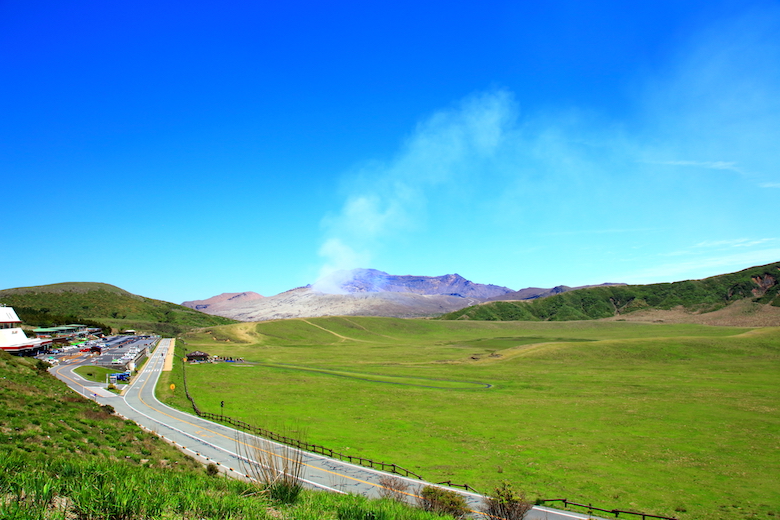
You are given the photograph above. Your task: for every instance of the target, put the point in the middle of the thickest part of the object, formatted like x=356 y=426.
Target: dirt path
x=168 y=365
x=343 y=338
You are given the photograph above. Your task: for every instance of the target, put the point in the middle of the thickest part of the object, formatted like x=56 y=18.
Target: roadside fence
x=591 y=508
x=449 y=483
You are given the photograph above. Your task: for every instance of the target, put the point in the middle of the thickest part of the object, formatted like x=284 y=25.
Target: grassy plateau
x=678 y=420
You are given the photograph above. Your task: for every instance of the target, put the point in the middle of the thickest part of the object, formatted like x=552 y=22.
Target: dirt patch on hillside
x=739 y=314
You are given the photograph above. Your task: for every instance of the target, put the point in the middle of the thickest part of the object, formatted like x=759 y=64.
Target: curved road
x=234 y=451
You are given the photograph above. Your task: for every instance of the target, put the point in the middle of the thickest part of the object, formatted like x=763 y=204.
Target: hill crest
x=215 y=301
x=375 y=281
x=756 y=285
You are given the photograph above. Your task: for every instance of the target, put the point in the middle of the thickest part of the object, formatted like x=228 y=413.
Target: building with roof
x=197 y=356
x=13 y=339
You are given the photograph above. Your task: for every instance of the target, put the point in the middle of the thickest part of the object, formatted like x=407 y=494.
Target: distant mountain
x=305 y=302
x=361 y=292
x=216 y=301
x=75 y=302
x=374 y=281
x=532 y=293
x=757 y=286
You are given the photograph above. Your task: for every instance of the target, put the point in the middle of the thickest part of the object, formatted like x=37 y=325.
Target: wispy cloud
x=706 y=266
x=486 y=172
x=712 y=165
x=613 y=231
x=710 y=247
x=738 y=242
x=717 y=106
x=440 y=159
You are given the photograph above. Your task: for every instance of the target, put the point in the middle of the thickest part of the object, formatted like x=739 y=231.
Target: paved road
x=236 y=452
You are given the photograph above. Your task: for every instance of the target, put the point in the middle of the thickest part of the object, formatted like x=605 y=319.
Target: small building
x=13 y=339
x=197 y=356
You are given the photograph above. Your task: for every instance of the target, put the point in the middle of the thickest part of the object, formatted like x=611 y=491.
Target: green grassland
x=65 y=457
x=679 y=420
x=59 y=304
x=707 y=295
x=95 y=373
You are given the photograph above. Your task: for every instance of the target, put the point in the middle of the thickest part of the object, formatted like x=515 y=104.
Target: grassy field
x=95 y=373
x=680 y=420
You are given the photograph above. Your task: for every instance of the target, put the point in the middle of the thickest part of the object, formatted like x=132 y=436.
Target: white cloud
x=440 y=157
x=609 y=185
x=738 y=242
x=718 y=106
x=703 y=267
x=713 y=165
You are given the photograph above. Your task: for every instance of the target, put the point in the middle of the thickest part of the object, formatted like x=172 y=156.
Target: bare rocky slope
x=221 y=301
x=306 y=302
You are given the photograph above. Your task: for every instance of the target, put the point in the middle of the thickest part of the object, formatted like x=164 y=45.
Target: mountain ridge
x=374 y=281
x=758 y=285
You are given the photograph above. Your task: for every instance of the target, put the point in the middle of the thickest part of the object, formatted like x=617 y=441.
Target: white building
x=13 y=339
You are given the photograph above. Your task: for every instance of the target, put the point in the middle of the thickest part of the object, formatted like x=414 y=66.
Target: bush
x=506 y=504
x=443 y=501
x=393 y=488
x=212 y=470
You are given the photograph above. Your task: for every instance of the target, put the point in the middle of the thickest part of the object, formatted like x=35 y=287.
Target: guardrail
x=591 y=508
x=297 y=443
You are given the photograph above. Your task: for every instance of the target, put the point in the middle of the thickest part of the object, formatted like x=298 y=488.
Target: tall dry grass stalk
x=277 y=468
x=394 y=488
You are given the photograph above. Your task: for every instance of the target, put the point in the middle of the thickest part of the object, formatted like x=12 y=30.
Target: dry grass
x=275 y=467
x=739 y=314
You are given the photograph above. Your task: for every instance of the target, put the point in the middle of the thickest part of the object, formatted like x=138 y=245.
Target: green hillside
x=758 y=284
x=85 y=302
x=65 y=457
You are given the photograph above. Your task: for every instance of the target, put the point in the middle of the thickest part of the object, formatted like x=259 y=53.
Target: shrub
x=393 y=488
x=212 y=470
x=506 y=504
x=443 y=501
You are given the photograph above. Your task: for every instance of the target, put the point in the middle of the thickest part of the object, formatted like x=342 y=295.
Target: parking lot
x=124 y=352
x=116 y=352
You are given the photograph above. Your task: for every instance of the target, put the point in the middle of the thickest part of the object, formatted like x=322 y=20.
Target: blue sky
x=181 y=150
